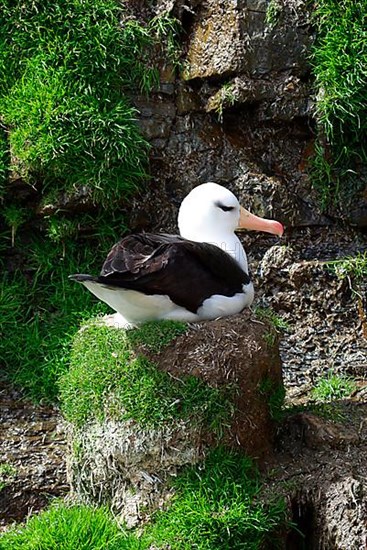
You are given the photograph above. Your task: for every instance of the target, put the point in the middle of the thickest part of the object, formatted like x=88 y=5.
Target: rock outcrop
x=238 y=112
x=324 y=464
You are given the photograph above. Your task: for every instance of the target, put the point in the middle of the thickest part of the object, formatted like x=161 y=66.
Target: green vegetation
x=67 y=129
x=63 y=69
x=339 y=62
x=267 y=314
x=4 y=160
x=275 y=395
x=69 y=528
x=332 y=387
x=350 y=267
x=40 y=311
x=226 y=97
x=14 y=217
x=276 y=322
x=107 y=380
x=7 y=472
x=155 y=336
x=332 y=411
x=273 y=12
x=216 y=507
x=354 y=270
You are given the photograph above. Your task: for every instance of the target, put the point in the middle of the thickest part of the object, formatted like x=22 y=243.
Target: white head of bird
x=211 y=213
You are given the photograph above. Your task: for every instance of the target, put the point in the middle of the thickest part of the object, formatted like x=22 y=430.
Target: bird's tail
x=81 y=278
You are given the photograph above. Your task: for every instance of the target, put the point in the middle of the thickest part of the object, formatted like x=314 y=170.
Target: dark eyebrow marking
x=224 y=207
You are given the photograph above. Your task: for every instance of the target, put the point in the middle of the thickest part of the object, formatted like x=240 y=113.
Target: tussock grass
x=7 y=473
x=354 y=270
x=267 y=314
x=4 y=160
x=69 y=528
x=64 y=68
x=69 y=139
x=215 y=507
x=332 y=387
x=354 y=267
x=275 y=395
x=107 y=380
x=339 y=62
x=40 y=310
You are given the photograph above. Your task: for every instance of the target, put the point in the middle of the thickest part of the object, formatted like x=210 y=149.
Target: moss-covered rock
x=110 y=378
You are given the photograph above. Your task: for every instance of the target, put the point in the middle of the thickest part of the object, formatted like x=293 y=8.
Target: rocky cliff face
x=240 y=112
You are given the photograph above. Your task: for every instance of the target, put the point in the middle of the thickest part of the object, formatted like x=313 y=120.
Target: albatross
x=198 y=275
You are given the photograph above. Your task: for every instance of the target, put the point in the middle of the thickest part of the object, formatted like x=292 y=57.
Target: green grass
x=339 y=62
x=69 y=139
x=275 y=395
x=14 y=217
x=69 y=528
x=276 y=322
x=267 y=314
x=333 y=387
x=67 y=126
x=154 y=336
x=226 y=97
x=7 y=473
x=353 y=269
x=215 y=508
x=4 y=160
x=40 y=311
x=66 y=71
x=273 y=12
x=350 y=267
x=107 y=380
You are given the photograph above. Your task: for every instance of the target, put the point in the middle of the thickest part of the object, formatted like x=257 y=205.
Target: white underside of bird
x=135 y=308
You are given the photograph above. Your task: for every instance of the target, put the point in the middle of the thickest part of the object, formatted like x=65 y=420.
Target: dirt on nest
x=238 y=352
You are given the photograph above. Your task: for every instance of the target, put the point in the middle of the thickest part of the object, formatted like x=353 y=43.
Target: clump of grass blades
x=69 y=528
x=333 y=386
x=69 y=139
x=4 y=160
x=267 y=314
x=7 y=473
x=350 y=267
x=107 y=380
x=215 y=507
x=275 y=395
x=354 y=270
x=63 y=70
x=339 y=63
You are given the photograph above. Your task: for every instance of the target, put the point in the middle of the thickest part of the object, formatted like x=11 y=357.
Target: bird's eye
x=224 y=207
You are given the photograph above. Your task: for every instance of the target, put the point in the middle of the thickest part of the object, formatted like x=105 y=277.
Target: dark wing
x=187 y=271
